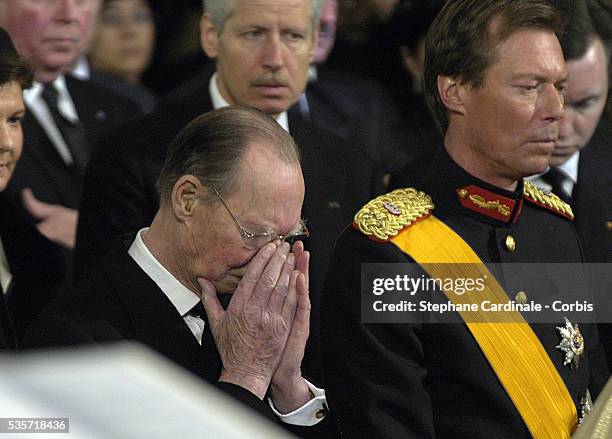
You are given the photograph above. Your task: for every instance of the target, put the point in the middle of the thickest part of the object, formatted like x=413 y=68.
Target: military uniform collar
x=452 y=186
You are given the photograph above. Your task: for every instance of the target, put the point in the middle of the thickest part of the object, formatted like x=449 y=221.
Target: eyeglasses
x=255 y=241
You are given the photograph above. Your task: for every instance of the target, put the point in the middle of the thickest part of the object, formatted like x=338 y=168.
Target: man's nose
x=67 y=10
x=552 y=103
x=273 y=53
x=566 y=123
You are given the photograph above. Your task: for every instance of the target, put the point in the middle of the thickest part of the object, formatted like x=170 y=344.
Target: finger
x=35 y=207
x=214 y=310
x=277 y=298
x=290 y=304
x=298 y=248
x=269 y=277
x=303 y=264
x=252 y=274
x=302 y=313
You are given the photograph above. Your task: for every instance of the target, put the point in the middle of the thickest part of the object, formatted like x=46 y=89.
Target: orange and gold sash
x=512 y=349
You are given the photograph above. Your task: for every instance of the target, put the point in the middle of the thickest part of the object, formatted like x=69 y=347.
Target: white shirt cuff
x=309 y=414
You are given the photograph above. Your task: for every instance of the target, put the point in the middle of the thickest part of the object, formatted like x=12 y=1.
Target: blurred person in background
x=362 y=44
x=121 y=49
x=30 y=265
x=353 y=107
x=580 y=166
x=408 y=27
x=65 y=115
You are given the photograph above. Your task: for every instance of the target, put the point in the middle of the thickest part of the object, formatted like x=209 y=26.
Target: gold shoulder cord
x=385 y=216
x=548 y=199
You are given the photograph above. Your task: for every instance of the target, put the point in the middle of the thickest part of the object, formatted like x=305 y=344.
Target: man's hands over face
x=288 y=389
x=262 y=335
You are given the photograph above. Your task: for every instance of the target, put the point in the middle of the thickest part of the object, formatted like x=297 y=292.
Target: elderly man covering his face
x=231 y=195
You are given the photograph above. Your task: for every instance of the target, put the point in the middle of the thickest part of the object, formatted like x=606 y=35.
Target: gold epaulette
x=548 y=200
x=384 y=217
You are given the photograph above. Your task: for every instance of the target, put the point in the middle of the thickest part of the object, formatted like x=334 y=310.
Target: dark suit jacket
x=592 y=205
x=37 y=266
x=120 y=302
x=120 y=195
x=41 y=167
x=361 y=111
x=8 y=339
x=592 y=195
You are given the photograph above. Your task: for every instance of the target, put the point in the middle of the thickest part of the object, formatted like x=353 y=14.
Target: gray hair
x=211 y=147
x=221 y=10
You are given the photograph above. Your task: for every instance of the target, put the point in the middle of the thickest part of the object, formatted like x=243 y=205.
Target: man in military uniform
x=494 y=80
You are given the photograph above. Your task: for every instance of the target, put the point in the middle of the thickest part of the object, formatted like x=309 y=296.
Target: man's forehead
x=524 y=46
x=258 y=8
x=588 y=76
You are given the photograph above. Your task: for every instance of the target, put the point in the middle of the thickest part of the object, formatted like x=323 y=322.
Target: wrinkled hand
x=57 y=223
x=251 y=334
x=288 y=389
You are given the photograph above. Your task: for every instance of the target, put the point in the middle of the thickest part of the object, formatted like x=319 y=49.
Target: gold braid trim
x=385 y=216
x=548 y=199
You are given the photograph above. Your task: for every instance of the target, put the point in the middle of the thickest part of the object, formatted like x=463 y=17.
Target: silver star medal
x=586 y=405
x=572 y=343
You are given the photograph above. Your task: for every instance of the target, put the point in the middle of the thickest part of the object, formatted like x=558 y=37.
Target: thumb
x=211 y=303
x=35 y=207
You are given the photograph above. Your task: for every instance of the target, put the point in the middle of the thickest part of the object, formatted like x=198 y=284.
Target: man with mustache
x=495 y=81
x=262 y=51
x=220 y=208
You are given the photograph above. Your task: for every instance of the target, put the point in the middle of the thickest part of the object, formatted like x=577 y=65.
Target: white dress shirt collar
x=570 y=167
x=181 y=297
x=37 y=105
x=219 y=101
x=5 y=271
x=65 y=104
x=81 y=69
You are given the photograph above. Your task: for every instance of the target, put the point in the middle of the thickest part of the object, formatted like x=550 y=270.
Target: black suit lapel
x=158 y=324
x=42 y=153
x=325 y=184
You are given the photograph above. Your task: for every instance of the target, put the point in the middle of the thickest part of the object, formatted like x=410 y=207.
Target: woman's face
x=122 y=42
x=12 y=111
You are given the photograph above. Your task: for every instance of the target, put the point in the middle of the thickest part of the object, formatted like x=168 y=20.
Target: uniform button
x=320 y=414
x=510 y=243
x=609 y=225
x=521 y=297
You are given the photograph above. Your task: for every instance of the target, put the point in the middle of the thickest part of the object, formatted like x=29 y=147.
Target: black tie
x=198 y=311
x=555 y=177
x=72 y=132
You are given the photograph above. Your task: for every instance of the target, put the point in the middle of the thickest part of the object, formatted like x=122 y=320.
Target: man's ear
x=187 y=193
x=209 y=38
x=452 y=93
